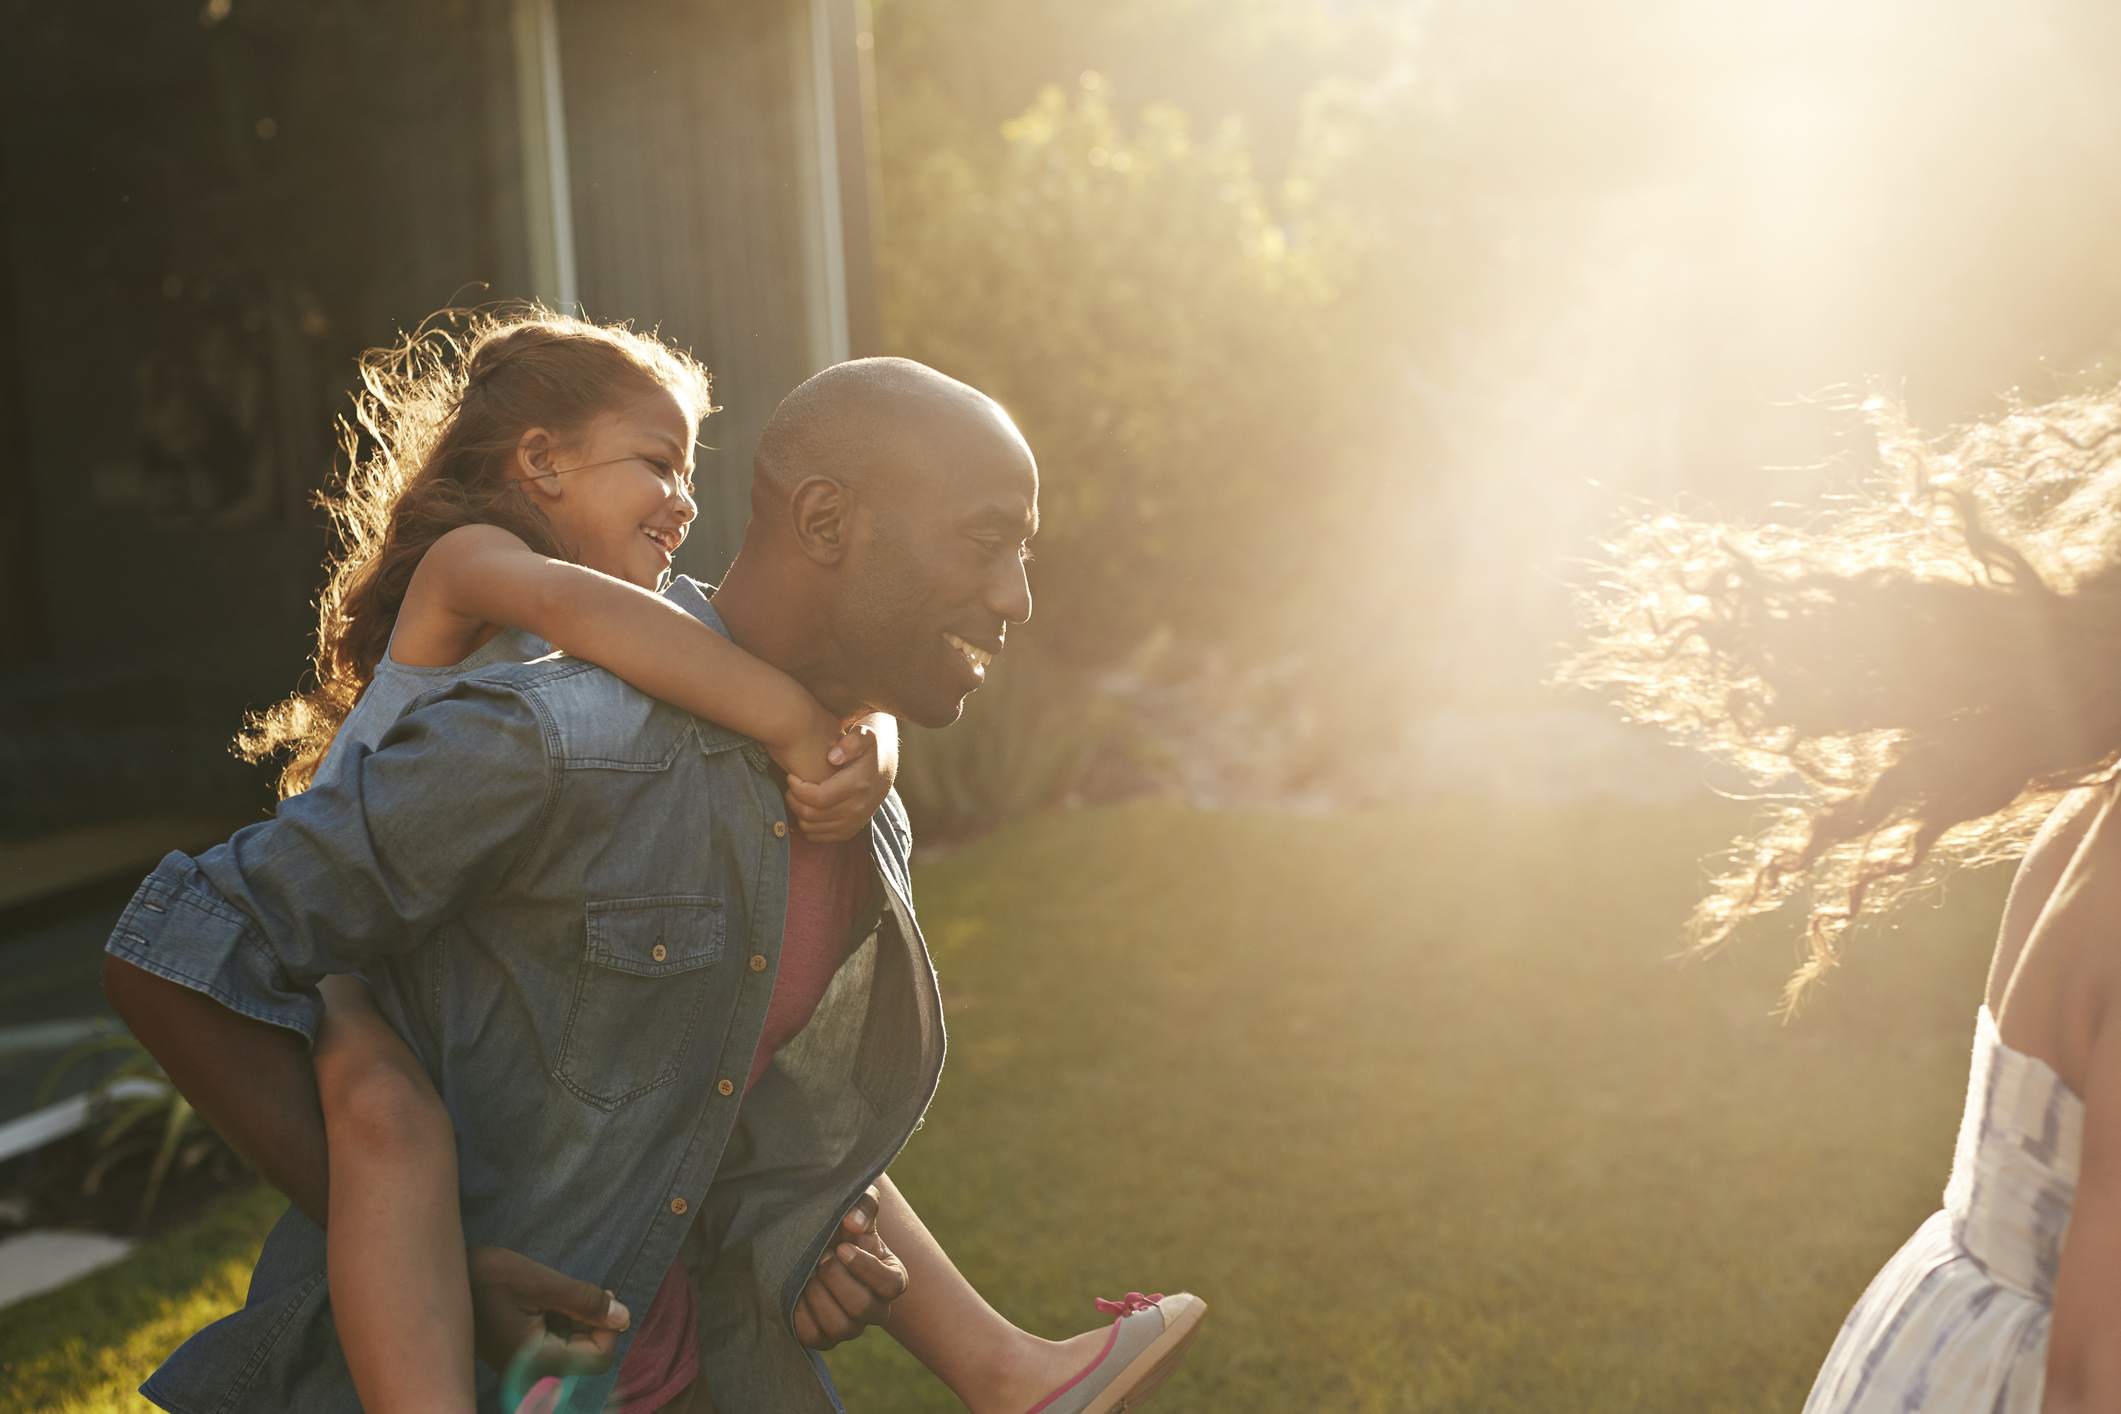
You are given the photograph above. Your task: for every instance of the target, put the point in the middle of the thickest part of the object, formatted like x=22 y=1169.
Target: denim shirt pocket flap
x=656 y=937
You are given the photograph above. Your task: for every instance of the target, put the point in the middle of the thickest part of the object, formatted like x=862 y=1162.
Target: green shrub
x=1026 y=742
x=136 y=1116
x=1161 y=332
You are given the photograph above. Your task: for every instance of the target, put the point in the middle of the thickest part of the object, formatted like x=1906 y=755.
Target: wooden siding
x=693 y=147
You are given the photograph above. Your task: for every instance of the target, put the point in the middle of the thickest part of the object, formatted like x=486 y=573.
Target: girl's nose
x=687 y=507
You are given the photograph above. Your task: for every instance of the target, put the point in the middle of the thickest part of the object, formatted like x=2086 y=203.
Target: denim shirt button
x=758 y=962
x=725 y=1087
x=678 y=1206
x=780 y=829
x=659 y=952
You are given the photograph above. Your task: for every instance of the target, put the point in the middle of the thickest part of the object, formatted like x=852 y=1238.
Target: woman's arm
x=2084 y=1339
x=400 y=1288
x=2084 y=1333
x=483 y=574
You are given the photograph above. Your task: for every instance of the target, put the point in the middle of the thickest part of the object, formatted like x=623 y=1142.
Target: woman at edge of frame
x=1935 y=661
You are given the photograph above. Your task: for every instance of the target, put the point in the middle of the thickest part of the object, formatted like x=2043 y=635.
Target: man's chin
x=935 y=714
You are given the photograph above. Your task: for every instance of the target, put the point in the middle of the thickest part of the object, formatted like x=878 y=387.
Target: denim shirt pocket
x=644 y=973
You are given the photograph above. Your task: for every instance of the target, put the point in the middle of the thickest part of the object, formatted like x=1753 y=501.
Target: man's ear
x=821 y=513
x=534 y=465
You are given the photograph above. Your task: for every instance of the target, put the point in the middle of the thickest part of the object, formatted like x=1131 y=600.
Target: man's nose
x=1012 y=594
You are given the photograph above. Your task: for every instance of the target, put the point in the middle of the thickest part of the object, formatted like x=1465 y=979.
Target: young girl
x=526 y=483
x=1936 y=661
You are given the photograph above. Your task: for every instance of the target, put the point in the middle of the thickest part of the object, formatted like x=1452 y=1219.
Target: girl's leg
x=991 y=1365
x=395 y=1243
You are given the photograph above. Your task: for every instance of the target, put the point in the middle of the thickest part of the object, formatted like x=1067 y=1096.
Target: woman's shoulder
x=2058 y=958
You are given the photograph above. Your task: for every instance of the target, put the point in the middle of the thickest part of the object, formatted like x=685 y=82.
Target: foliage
x=1025 y=743
x=137 y=1116
x=1415 y=1101
x=1159 y=327
x=1550 y=258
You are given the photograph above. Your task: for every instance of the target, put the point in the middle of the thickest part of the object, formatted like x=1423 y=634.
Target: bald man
x=583 y=909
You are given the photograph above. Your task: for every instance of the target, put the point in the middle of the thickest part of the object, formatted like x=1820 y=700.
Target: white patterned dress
x=1958 y=1319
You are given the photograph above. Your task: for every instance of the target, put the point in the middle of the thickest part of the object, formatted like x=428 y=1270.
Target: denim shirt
x=569 y=898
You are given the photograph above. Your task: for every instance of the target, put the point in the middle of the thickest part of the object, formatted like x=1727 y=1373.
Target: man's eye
x=995 y=545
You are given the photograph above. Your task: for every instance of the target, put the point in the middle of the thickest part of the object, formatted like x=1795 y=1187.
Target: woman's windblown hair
x=426 y=449
x=1909 y=676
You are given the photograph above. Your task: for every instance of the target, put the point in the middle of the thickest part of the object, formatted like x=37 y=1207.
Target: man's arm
x=214 y=962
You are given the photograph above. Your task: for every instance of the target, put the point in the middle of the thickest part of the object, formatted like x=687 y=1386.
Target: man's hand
x=806 y=752
x=854 y=1285
x=837 y=809
x=569 y=1327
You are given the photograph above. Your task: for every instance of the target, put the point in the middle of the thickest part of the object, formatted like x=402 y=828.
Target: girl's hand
x=838 y=808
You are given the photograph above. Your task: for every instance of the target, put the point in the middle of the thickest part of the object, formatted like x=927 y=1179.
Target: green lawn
x=1417 y=1102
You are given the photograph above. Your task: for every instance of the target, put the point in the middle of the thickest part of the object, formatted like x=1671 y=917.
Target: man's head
x=898 y=503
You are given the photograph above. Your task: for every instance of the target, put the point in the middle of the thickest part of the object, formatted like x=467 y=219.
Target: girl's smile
x=619 y=495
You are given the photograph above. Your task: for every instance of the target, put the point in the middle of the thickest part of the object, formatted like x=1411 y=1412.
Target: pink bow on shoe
x=1127 y=1305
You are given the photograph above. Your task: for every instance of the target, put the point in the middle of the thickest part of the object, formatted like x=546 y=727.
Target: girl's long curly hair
x=426 y=448
x=1910 y=675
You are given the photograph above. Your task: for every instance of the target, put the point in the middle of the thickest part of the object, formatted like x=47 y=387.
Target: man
x=571 y=900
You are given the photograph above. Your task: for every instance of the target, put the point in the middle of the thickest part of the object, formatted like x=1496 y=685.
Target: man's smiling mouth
x=976 y=659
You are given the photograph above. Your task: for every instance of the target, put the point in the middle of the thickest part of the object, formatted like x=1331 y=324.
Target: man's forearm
x=251 y=1080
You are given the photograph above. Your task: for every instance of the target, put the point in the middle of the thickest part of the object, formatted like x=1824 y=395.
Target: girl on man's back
x=528 y=484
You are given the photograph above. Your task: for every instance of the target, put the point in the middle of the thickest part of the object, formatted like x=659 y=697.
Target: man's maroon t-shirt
x=829 y=888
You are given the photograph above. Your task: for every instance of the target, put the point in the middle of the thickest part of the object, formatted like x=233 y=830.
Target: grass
x=84 y=1348
x=1417 y=1102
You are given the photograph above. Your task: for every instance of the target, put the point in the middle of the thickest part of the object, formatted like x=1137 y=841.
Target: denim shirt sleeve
x=364 y=864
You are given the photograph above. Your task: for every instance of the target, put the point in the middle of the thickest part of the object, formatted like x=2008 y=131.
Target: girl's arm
x=481 y=574
x=400 y=1291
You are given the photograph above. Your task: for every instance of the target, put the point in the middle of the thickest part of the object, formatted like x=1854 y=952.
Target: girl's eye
x=662 y=468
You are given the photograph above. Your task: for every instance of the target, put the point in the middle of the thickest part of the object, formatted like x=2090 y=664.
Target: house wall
x=206 y=220
x=700 y=207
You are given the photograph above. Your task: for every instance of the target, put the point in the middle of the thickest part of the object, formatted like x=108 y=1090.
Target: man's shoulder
x=591 y=716
x=595 y=717
x=587 y=715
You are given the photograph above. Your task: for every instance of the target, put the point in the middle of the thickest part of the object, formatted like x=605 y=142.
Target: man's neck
x=770 y=616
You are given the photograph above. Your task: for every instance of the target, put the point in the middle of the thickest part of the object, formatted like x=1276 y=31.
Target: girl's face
x=622 y=501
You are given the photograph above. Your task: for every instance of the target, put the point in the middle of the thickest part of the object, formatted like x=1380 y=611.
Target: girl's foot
x=1033 y=1369
x=1115 y=1368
